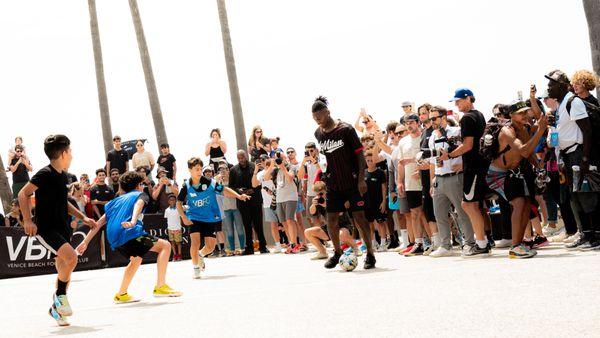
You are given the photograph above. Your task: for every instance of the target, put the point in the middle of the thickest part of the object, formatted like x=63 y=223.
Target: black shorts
x=336 y=201
x=53 y=240
x=428 y=207
x=520 y=183
x=205 y=229
x=341 y=225
x=474 y=185
x=137 y=247
x=373 y=214
x=414 y=198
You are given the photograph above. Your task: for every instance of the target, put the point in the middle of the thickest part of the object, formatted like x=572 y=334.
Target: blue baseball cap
x=461 y=93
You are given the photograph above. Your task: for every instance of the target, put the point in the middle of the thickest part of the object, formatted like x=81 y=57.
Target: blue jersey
x=202 y=202
x=118 y=211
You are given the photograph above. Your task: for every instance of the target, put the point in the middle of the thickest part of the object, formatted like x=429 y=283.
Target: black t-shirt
x=240 y=178
x=167 y=162
x=102 y=193
x=71 y=178
x=118 y=159
x=340 y=146
x=591 y=99
x=21 y=175
x=115 y=188
x=473 y=124
x=51 y=206
x=374 y=181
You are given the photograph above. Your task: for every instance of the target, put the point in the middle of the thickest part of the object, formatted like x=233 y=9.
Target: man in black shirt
x=114 y=179
x=20 y=168
x=345 y=178
x=52 y=224
x=472 y=125
x=240 y=180
x=117 y=158
x=101 y=193
x=427 y=125
x=167 y=161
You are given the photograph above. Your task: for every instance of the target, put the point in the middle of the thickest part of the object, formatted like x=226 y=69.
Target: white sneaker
x=560 y=237
x=549 y=231
x=197 y=272
x=428 y=250
x=401 y=247
x=572 y=238
x=201 y=262
x=465 y=250
x=503 y=243
x=381 y=248
x=357 y=252
x=277 y=249
x=319 y=255
x=441 y=252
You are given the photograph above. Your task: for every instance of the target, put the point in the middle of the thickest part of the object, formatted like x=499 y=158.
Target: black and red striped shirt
x=340 y=146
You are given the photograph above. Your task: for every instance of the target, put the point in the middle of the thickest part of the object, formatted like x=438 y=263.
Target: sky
x=372 y=54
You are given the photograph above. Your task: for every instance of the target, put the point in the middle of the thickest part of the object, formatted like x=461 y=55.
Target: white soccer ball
x=348 y=262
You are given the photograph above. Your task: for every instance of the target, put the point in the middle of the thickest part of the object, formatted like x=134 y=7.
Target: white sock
x=404 y=235
x=483 y=243
x=419 y=240
x=436 y=240
x=374 y=243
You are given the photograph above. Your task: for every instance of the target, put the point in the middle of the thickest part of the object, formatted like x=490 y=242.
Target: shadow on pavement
x=364 y=272
x=219 y=277
x=69 y=330
x=145 y=304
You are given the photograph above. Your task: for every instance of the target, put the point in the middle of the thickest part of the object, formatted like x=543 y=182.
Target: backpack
x=489 y=144
x=594 y=116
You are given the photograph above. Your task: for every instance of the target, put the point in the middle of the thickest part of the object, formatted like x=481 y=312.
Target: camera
x=321 y=200
x=541 y=181
x=306 y=154
x=278 y=158
x=552 y=120
x=428 y=153
x=273 y=205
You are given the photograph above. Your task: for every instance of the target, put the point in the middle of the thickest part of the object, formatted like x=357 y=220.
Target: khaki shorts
x=175 y=236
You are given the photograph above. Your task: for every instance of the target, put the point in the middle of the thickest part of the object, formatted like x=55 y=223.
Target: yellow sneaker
x=166 y=291
x=124 y=298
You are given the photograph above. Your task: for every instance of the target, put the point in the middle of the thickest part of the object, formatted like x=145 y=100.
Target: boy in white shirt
x=174 y=227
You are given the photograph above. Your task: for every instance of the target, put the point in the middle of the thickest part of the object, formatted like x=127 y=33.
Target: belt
x=449 y=174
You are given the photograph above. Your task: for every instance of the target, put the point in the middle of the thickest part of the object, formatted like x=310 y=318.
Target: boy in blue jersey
x=125 y=234
x=203 y=214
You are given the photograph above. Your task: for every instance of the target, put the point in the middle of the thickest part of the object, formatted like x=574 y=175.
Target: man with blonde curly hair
x=583 y=82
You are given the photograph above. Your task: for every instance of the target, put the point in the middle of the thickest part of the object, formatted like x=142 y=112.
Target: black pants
x=506 y=213
x=584 y=204
x=253 y=219
x=563 y=199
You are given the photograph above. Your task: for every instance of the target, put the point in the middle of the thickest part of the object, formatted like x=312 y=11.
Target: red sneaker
x=289 y=250
x=297 y=248
x=407 y=250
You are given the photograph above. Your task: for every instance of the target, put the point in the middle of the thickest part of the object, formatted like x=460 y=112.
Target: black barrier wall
x=21 y=255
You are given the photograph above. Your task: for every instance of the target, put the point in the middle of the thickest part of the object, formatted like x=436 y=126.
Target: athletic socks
x=436 y=240
x=61 y=287
x=483 y=243
x=404 y=235
x=419 y=240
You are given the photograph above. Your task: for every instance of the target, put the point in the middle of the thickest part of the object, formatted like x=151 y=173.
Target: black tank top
x=216 y=152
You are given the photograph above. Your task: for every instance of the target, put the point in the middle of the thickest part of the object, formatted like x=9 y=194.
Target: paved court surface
x=556 y=294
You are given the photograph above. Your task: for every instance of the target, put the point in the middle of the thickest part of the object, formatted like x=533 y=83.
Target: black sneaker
x=393 y=245
x=491 y=242
x=248 y=252
x=582 y=241
x=370 y=261
x=475 y=251
x=416 y=250
x=590 y=245
x=264 y=251
x=333 y=261
x=529 y=244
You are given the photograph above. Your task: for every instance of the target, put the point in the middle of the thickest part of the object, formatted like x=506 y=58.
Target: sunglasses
x=258 y=131
x=399 y=133
x=290 y=152
x=434 y=118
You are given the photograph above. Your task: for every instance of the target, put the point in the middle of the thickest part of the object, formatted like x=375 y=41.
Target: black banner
x=155 y=225
x=21 y=255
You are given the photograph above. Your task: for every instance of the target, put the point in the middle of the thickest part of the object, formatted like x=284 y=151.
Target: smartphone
x=363 y=111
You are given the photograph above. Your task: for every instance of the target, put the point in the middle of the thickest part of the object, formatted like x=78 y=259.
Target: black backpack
x=594 y=116
x=489 y=144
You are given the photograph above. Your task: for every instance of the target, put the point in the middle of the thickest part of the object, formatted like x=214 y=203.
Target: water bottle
x=487 y=140
x=553 y=138
x=576 y=172
x=585 y=185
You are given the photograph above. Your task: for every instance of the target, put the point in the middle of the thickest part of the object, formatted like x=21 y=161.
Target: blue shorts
x=300 y=208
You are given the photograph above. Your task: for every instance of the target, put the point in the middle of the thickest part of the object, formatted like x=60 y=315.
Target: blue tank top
x=118 y=211
x=203 y=205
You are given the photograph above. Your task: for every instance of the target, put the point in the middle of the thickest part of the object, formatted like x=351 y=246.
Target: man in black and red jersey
x=344 y=178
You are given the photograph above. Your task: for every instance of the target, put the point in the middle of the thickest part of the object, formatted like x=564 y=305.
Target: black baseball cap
x=412 y=117
x=558 y=76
